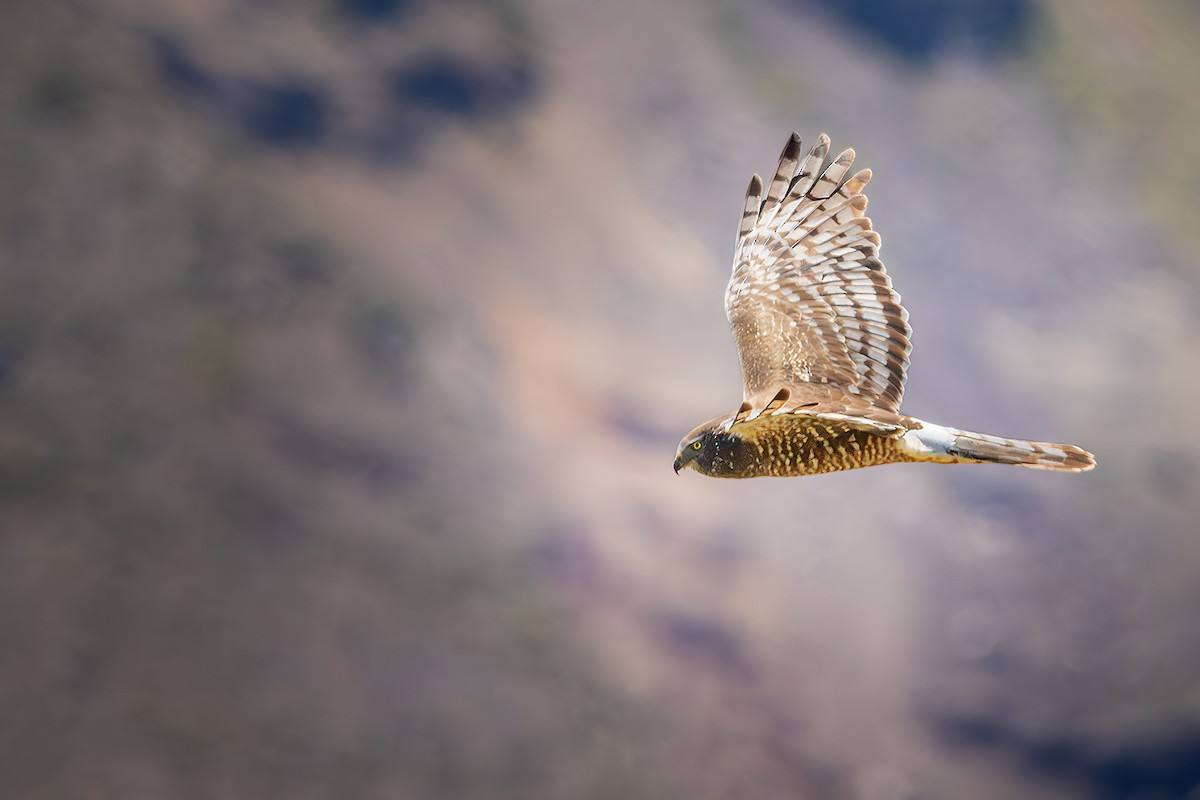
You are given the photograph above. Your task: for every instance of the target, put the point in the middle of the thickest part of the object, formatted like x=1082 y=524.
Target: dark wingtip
x=791 y=150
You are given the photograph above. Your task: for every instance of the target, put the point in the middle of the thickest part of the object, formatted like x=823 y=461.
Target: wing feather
x=753 y=202
x=788 y=160
x=811 y=307
x=809 y=169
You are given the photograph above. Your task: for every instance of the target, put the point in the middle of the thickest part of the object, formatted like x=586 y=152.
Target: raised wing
x=813 y=312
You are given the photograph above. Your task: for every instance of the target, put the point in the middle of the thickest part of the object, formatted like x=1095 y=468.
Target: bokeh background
x=345 y=346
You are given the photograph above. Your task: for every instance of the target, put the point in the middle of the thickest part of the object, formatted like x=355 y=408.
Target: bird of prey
x=823 y=343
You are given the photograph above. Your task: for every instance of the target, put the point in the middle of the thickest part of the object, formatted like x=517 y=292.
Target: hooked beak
x=678 y=464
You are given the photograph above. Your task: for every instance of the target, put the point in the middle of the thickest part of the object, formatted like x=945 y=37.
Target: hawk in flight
x=824 y=343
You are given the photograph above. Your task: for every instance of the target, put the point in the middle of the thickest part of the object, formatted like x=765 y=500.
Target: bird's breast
x=792 y=444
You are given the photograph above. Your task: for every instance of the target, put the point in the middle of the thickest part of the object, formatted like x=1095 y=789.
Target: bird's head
x=711 y=450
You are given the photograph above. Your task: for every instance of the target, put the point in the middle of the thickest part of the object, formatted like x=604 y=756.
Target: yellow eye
x=696 y=445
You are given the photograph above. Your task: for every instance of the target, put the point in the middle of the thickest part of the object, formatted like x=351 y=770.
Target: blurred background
x=345 y=346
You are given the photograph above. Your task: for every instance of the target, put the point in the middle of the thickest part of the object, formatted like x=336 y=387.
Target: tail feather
x=951 y=445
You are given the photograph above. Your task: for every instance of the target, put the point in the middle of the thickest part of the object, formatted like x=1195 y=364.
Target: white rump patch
x=928 y=440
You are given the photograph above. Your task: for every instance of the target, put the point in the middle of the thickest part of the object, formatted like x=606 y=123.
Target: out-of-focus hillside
x=344 y=348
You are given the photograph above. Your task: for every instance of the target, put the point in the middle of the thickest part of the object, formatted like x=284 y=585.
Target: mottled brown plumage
x=824 y=343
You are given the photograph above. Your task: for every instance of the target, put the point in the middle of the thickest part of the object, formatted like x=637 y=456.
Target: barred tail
x=950 y=445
